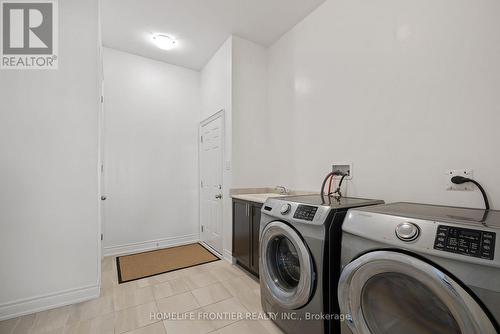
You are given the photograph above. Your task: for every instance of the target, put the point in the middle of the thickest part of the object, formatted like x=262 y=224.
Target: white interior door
x=211 y=140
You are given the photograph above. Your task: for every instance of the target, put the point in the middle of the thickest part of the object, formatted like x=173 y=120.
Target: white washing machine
x=417 y=269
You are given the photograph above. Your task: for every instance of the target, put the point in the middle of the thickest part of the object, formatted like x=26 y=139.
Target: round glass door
x=391 y=293
x=286 y=266
x=284 y=263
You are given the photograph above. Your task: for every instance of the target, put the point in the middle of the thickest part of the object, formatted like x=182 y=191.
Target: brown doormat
x=147 y=264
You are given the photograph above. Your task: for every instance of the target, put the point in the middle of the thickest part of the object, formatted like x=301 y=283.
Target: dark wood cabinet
x=255 y=222
x=246 y=225
x=241 y=233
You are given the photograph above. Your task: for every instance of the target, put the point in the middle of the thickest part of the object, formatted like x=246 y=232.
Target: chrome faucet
x=282 y=190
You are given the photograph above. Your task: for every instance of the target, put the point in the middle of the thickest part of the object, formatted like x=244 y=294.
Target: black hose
x=340 y=183
x=486 y=203
x=338 y=191
x=461 y=179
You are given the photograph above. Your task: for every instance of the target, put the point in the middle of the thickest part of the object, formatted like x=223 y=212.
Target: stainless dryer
x=420 y=269
x=300 y=260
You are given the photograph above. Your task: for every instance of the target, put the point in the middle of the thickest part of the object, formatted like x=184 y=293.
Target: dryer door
x=286 y=266
x=390 y=292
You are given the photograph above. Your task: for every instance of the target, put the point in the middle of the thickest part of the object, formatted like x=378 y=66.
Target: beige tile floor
x=214 y=298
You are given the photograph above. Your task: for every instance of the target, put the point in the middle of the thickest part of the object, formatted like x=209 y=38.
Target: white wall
x=403 y=89
x=250 y=117
x=48 y=173
x=235 y=79
x=152 y=110
x=216 y=94
x=216 y=82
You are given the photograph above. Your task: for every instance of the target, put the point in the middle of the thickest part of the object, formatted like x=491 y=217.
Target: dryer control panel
x=465 y=241
x=305 y=212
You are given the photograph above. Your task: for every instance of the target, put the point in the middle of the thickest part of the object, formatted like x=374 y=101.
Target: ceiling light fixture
x=164 y=42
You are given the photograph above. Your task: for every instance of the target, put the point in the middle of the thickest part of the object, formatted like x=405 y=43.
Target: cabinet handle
x=247 y=210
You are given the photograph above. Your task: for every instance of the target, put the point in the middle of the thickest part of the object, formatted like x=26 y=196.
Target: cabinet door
x=255 y=237
x=241 y=233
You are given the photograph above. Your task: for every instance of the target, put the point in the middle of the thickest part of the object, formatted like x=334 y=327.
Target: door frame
x=222 y=115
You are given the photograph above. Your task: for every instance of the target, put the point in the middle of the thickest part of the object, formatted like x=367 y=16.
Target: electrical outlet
x=459 y=172
x=343 y=168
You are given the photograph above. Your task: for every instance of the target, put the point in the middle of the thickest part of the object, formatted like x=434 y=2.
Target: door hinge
x=201 y=139
x=102 y=237
x=202 y=228
x=201 y=184
x=102 y=168
x=102 y=99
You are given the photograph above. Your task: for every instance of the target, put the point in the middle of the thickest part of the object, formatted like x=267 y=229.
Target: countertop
x=259 y=195
x=257 y=198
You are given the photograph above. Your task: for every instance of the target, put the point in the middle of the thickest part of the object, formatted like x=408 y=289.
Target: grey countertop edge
x=266 y=190
x=247 y=198
x=246 y=194
x=246 y=191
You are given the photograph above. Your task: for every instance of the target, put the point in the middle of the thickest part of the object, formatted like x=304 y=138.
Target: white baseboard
x=150 y=245
x=228 y=256
x=49 y=301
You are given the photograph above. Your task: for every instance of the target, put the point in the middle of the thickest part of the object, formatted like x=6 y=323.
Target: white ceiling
x=200 y=26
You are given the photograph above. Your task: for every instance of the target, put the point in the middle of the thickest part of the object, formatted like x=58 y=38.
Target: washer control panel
x=465 y=241
x=305 y=212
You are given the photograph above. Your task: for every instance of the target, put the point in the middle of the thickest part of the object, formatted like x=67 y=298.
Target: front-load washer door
x=287 y=271
x=392 y=293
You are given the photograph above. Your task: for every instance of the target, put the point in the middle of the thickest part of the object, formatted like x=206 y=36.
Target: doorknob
x=218 y=196
x=103 y=198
